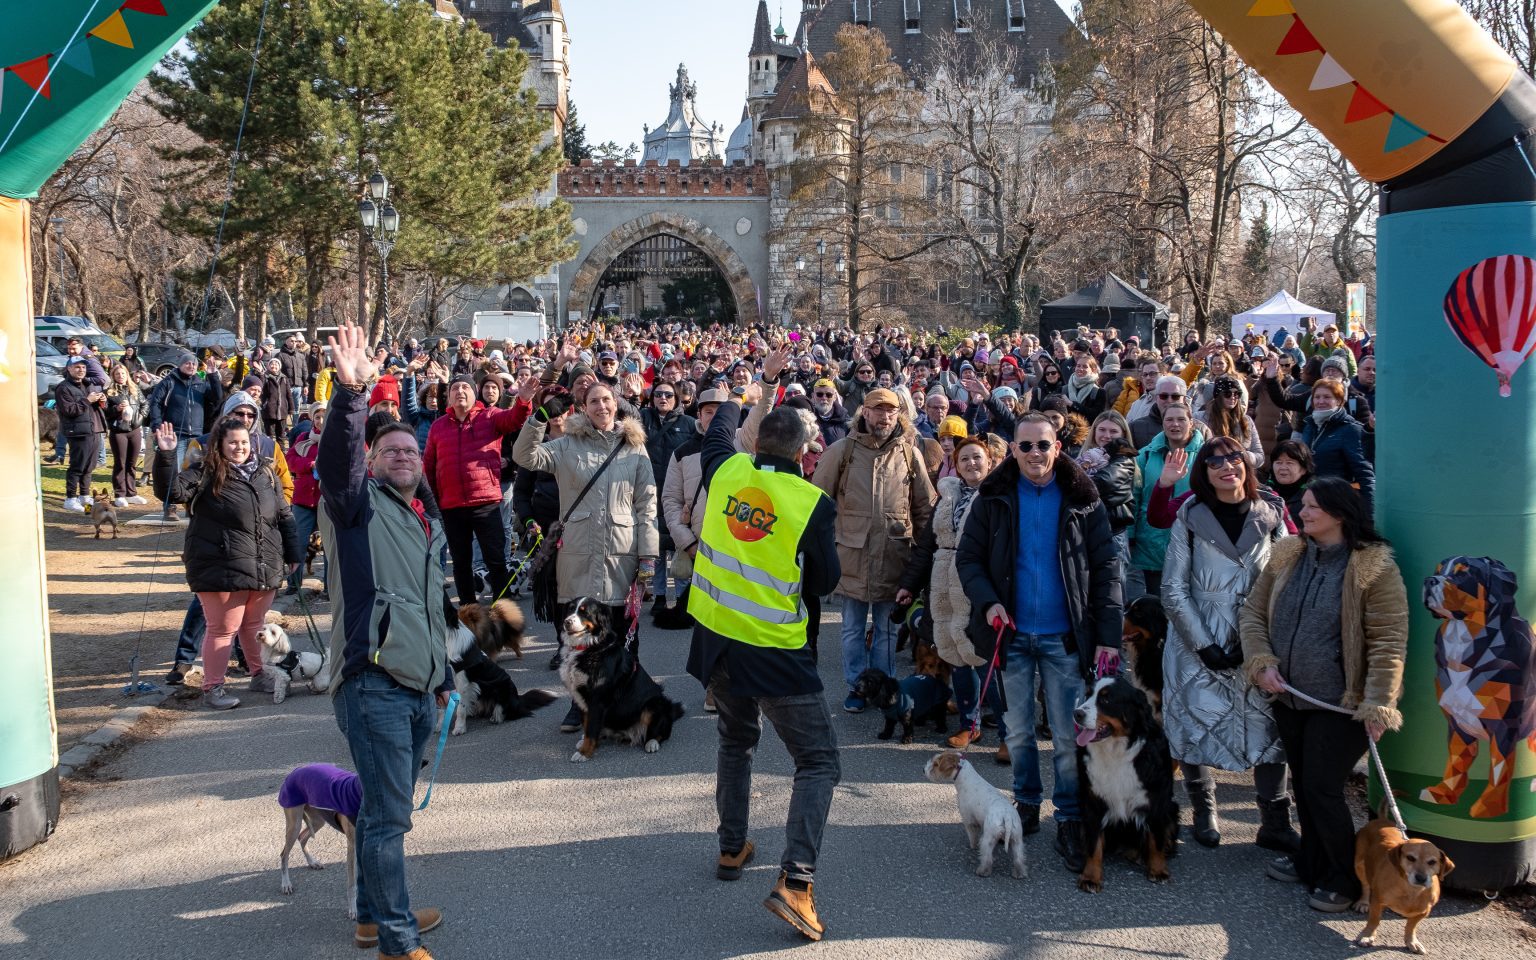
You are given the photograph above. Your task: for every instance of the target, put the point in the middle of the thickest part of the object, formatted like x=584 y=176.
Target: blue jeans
x=967 y=683
x=387 y=727
x=881 y=653
x=1060 y=673
x=304 y=521
x=181 y=457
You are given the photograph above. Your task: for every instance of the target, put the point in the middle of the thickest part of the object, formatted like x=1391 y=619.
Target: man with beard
x=385 y=695
x=831 y=417
x=877 y=478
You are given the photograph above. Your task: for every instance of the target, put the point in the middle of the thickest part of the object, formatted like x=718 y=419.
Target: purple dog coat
x=323 y=787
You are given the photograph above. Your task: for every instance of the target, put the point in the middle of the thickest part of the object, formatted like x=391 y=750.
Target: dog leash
x=632 y=612
x=442 y=744
x=997 y=652
x=1381 y=771
x=521 y=567
x=135 y=686
x=309 y=625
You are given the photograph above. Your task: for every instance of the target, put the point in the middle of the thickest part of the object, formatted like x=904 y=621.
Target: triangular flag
x=1363 y=106
x=34 y=73
x=152 y=7
x=1402 y=134
x=1298 y=39
x=1329 y=74
x=78 y=57
x=1271 y=8
x=113 y=30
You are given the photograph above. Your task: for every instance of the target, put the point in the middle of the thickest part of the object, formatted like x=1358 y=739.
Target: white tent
x=1280 y=310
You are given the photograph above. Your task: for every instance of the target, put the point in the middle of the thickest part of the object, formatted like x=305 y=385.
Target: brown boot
x=420 y=953
x=795 y=907
x=1001 y=756
x=367 y=934
x=730 y=864
x=964 y=738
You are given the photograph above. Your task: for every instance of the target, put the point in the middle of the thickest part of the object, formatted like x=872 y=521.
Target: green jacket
x=1149 y=545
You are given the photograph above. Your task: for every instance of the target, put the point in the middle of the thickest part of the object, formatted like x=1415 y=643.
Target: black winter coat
x=241 y=539
x=276 y=403
x=1117 y=487
x=536 y=497
x=78 y=417
x=985 y=560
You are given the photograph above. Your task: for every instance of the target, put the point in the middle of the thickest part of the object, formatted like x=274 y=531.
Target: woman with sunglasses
x=666 y=429
x=1213 y=716
x=1227 y=416
x=1162 y=462
x=1048 y=381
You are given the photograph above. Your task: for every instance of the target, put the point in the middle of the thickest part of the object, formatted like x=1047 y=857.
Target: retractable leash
x=442 y=744
x=1381 y=771
x=999 y=625
x=632 y=613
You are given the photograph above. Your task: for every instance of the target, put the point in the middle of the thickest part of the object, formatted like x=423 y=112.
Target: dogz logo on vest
x=749 y=514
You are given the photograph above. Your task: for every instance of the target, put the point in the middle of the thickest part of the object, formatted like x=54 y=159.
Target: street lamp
x=381 y=223
x=58 y=287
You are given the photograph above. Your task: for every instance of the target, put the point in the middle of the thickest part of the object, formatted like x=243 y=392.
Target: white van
x=58 y=330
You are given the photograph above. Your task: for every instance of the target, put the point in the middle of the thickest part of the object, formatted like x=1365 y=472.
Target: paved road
x=173 y=854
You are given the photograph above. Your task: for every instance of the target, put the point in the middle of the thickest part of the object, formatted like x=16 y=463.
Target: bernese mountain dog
x=1142 y=635
x=1125 y=782
x=615 y=694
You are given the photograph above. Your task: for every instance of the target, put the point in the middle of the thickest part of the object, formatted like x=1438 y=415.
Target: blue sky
x=624 y=53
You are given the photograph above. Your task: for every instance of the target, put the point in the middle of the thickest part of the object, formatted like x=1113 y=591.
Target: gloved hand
x=1216 y=657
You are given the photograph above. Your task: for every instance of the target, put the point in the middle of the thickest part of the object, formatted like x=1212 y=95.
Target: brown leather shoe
x=420 y=953
x=730 y=864
x=795 y=907
x=964 y=738
x=367 y=934
x=1001 y=756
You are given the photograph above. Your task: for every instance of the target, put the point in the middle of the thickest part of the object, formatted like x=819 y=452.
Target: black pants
x=463 y=526
x=83 y=454
x=125 y=458
x=278 y=430
x=1322 y=747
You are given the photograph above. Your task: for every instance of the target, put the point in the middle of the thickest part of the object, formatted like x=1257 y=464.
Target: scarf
x=1078 y=388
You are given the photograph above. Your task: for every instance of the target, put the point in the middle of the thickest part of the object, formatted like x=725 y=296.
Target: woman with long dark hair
x=1227 y=416
x=1213 y=717
x=1328 y=617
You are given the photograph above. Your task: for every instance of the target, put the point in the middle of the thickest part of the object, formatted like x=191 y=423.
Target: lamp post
x=821 y=253
x=381 y=222
x=58 y=287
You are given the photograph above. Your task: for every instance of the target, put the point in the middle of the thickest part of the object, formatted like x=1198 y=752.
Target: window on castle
x=861 y=13
x=949 y=292
x=895 y=173
x=962 y=16
x=1015 y=15
x=914 y=12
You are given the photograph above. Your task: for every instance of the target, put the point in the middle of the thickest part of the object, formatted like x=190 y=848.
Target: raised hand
x=165 y=437
x=775 y=362
x=1174 y=468
x=349 y=351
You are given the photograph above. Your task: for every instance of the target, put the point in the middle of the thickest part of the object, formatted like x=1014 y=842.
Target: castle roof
x=762 y=33
x=503 y=20
x=802 y=90
x=682 y=136
x=545 y=6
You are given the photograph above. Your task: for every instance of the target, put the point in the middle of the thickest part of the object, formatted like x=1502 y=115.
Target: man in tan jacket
x=877 y=478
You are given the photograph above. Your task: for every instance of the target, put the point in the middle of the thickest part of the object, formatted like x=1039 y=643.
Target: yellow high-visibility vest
x=746 y=576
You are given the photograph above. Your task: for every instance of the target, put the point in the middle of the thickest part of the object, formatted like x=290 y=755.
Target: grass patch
x=53 y=479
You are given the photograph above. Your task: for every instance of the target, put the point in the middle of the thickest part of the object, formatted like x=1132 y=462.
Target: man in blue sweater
x=1040 y=568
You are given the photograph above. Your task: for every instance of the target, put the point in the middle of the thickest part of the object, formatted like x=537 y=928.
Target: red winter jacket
x=301 y=463
x=463 y=457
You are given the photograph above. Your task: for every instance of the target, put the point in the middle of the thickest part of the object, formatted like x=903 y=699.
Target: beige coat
x=948 y=604
x=614 y=526
x=1374 y=624
x=882 y=494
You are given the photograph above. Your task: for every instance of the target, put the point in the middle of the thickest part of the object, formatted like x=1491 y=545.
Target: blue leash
x=442 y=744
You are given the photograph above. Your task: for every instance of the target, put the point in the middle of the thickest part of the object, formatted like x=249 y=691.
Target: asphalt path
x=171 y=852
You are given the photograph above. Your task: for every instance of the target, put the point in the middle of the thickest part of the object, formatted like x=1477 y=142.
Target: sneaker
x=174 y=678
x=709 y=701
x=1326 y=901
x=572 y=721
x=137 y=501
x=262 y=682
x=420 y=953
x=88 y=501
x=119 y=501
x=216 y=698
x=73 y=505
x=729 y=865
x=367 y=934
x=853 y=704
x=1029 y=816
x=796 y=906
x=1282 y=869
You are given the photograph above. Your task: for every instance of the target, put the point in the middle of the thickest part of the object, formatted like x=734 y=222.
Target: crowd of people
x=1024 y=489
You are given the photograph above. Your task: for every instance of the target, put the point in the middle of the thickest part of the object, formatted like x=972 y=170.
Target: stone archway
x=731 y=266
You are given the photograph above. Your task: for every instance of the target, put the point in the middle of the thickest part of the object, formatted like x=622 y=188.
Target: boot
x=793 y=902
x=1202 y=801
x=367 y=934
x=1275 y=831
x=1069 y=844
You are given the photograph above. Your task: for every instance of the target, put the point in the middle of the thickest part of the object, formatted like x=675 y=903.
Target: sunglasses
x=1170 y=396
x=1229 y=460
x=824 y=395
x=664 y=395
x=1039 y=445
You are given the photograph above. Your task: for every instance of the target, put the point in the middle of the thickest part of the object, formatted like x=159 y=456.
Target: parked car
x=50 y=367
x=158 y=358
x=58 y=330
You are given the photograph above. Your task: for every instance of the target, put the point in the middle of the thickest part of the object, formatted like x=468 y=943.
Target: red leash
x=997 y=651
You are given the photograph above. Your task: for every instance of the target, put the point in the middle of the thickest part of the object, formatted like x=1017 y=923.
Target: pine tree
x=574 y=144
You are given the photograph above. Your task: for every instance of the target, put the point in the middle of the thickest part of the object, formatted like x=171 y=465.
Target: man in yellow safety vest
x=767 y=541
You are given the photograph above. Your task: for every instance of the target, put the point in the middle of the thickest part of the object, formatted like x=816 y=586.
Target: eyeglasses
x=243 y=415
x=824 y=395
x=1229 y=460
x=1170 y=396
x=397 y=453
x=864 y=370
x=1040 y=445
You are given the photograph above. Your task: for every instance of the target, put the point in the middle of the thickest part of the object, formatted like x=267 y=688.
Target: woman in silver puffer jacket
x=1213 y=717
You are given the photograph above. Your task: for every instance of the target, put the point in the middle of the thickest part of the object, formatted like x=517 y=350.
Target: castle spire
x=762 y=32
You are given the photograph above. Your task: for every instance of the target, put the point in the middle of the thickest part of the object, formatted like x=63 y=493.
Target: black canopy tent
x=1111 y=302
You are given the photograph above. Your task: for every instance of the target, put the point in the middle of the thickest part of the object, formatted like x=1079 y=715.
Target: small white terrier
x=988 y=817
x=289 y=665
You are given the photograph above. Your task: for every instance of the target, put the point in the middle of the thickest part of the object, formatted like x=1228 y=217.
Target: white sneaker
x=73 y=505
x=120 y=502
x=87 y=502
x=218 y=699
x=137 y=501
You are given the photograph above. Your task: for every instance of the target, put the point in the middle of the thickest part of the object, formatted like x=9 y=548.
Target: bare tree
x=1512 y=23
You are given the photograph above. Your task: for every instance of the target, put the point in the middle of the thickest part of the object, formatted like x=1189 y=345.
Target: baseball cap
x=824 y=383
x=607 y=355
x=881 y=397
x=713 y=396
x=74 y=360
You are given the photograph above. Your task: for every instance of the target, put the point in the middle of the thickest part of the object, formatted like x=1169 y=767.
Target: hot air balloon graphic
x=1491 y=307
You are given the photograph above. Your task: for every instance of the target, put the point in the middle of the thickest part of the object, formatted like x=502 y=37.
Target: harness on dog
x=1381 y=771
x=442 y=744
x=289 y=663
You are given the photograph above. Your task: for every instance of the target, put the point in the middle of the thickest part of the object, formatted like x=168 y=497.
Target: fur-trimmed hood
x=577 y=425
x=1076 y=486
x=1367 y=563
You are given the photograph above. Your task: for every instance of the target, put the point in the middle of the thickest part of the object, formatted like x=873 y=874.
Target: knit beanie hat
x=952 y=427
x=1339 y=364
x=251 y=380
x=386 y=389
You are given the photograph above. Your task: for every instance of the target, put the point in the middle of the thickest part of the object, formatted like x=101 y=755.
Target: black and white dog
x=1124 y=781
x=615 y=694
x=475 y=636
x=288 y=665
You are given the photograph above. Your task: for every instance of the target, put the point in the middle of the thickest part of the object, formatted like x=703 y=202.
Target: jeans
x=295 y=401
x=804 y=725
x=967 y=683
x=1060 y=673
x=193 y=625
x=466 y=526
x=84 y=454
x=181 y=458
x=304 y=521
x=233 y=617
x=508 y=522
x=881 y=653
x=387 y=727
x=1322 y=747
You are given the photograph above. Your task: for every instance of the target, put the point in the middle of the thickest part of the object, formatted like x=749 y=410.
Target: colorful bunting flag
x=1272 y=8
x=78 y=57
x=113 y=30
x=1298 y=39
x=154 y=8
x=34 y=73
x=1329 y=74
x=1402 y=133
x=1363 y=106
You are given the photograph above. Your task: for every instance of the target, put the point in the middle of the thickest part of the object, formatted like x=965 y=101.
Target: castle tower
x=763 y=70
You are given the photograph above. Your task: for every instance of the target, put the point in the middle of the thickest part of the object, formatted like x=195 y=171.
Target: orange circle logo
x=749 y=515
